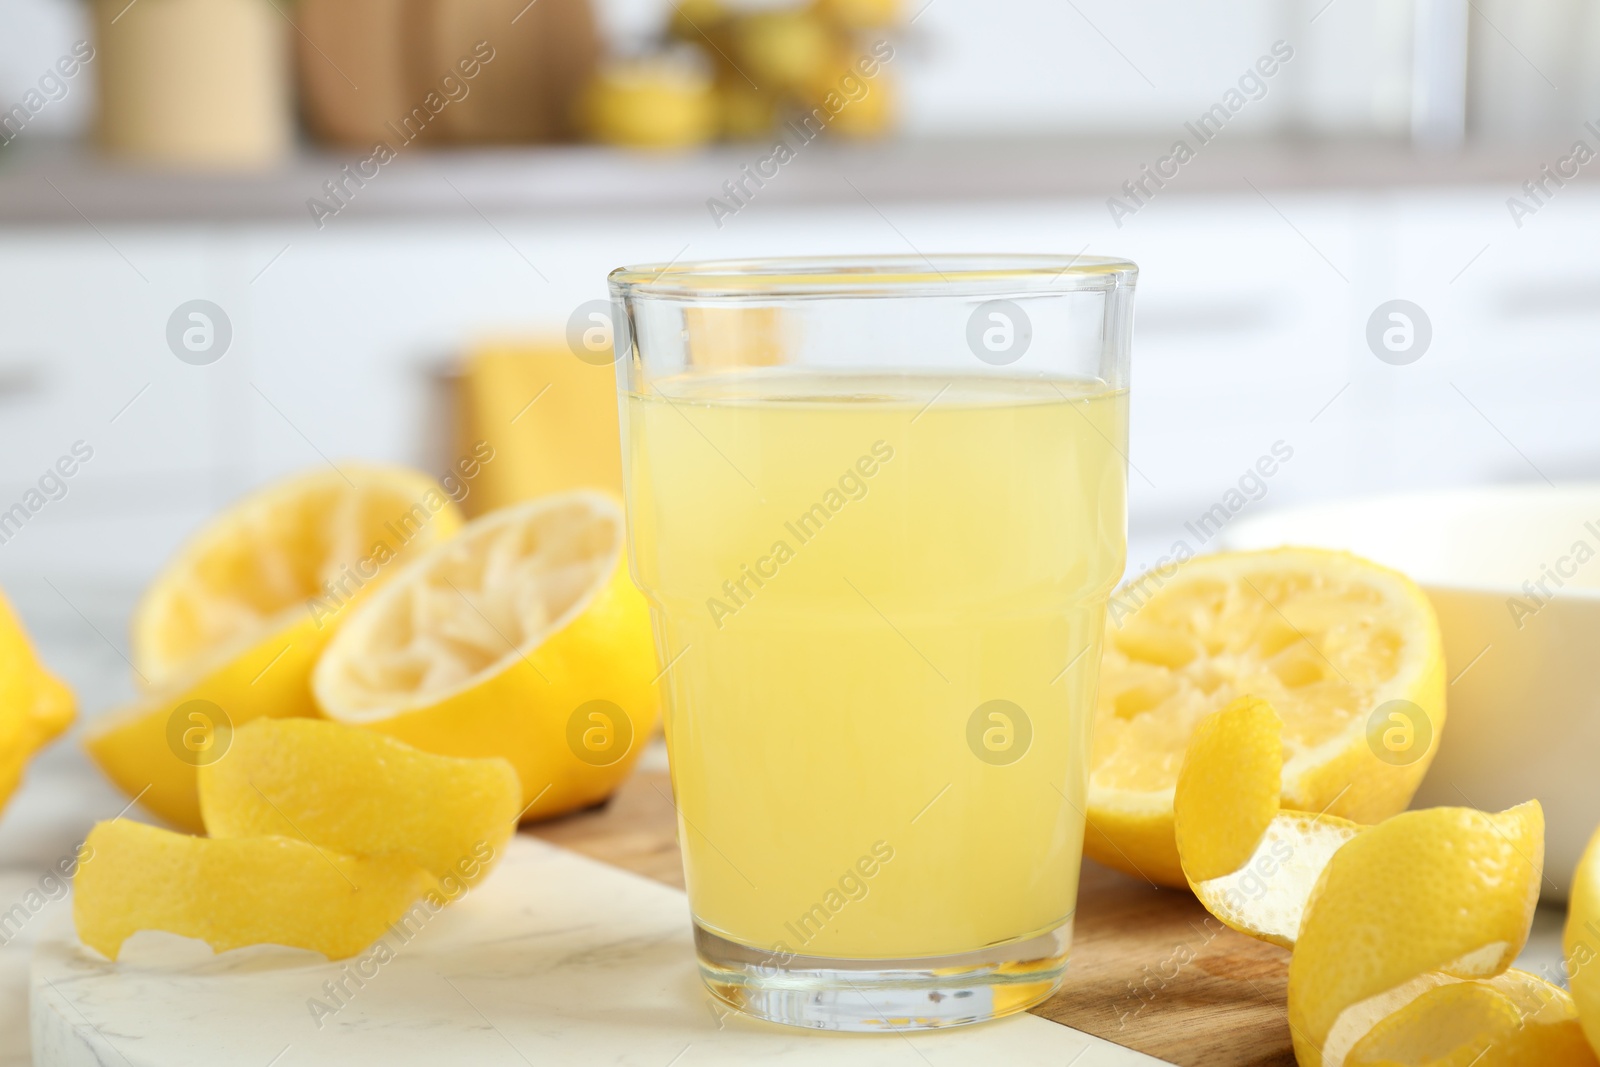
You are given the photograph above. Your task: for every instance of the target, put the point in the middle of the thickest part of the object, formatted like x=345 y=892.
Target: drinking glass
x=877 y=506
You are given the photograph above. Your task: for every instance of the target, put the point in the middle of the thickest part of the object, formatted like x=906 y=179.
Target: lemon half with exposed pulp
x=230 y=628
x=1346 y=652
x=523 y=637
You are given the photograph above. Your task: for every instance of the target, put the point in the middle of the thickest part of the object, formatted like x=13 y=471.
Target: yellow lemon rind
x=233 y=893
x=1514 y=1019
x=1441 y=891
x=364 y=794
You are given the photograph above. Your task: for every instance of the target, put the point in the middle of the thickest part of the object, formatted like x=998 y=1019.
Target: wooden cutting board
x=1150 y=970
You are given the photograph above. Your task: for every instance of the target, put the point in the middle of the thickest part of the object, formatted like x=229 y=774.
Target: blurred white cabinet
x=1251 y=329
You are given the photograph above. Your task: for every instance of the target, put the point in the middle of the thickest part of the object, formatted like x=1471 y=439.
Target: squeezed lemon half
x=1326 y=638
x=230 y=628
x=524 y=638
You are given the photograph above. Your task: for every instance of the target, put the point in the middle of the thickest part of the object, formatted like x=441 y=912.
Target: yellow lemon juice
x=881 y=600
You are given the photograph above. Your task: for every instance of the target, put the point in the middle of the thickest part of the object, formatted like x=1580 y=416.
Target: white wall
x=1121 y=66
x=33 y=35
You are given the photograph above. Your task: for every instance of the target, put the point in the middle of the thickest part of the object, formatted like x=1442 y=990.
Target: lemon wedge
x=523 y=638
x=1346 y=652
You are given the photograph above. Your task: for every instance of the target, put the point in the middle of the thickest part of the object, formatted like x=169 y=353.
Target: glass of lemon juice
x=877 y=506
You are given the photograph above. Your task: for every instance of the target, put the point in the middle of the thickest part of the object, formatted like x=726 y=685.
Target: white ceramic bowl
x=1523 y=662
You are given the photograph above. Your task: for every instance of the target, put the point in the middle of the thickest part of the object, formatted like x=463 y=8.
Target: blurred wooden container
x=545 y=53
x=529 y=61
x=352 y=68
x=193 y=82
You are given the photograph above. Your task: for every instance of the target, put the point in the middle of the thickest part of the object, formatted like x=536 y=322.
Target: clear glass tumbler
x=877 y=506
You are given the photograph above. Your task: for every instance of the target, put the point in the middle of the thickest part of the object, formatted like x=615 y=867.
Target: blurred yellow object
x=697 y=20
x=814 y=63
x=550 y=417
x=782 y=50
x=659 y=102
x=859 y=106
x=35 y=706
x=743 y=111
x=860 y=14
x=735 y=336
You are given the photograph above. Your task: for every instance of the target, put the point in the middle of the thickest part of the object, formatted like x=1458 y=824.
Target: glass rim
x=959 y=274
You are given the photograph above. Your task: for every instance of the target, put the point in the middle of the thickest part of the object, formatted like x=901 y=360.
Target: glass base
x=922 y=993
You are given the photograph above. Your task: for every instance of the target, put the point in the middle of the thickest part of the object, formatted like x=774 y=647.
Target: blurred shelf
x=54 y=184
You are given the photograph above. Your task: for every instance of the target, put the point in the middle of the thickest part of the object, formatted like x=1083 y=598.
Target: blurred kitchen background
x=391 y=303
x=244 y=237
